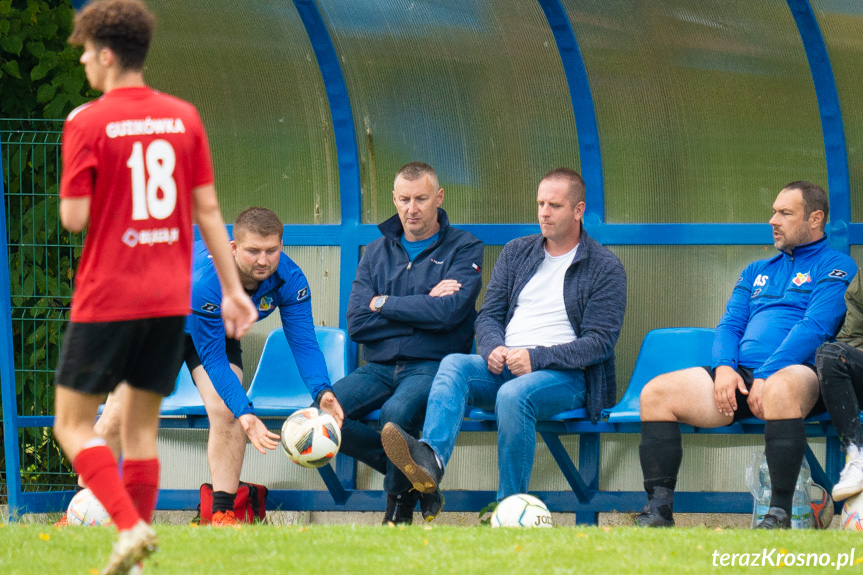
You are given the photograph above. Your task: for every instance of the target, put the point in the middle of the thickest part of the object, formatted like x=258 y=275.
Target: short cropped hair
x=259 y=221
x=577 y=191
x=814 y=198
x=124 y=26
x=414 y=171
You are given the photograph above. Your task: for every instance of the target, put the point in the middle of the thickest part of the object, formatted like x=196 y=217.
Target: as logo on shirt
x=302 y=294
x=760 y=281
x=266 y=303
x=801 y=278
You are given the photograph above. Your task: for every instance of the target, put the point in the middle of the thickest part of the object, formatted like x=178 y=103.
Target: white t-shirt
x=540 y=314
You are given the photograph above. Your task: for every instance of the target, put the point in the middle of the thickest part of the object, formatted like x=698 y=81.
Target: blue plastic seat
x=185 y=400
x=277 y=388
x=662 y=350
x=483 y=415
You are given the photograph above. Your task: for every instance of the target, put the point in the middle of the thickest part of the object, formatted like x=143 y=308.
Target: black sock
x=784 y=446
x=835 y=374
x=661 y=452
x=223 y=501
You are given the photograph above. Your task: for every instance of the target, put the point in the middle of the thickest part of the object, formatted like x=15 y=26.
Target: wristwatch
x=380 y=301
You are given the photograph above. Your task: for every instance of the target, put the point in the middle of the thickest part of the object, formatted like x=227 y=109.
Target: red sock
x=141 y=478
x=97 y=466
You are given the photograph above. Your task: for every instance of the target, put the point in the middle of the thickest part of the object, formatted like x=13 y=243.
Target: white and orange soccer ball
x=822 y=506
x=852 y=513
x=521 y=510
x=311 y=438
x=85 y=509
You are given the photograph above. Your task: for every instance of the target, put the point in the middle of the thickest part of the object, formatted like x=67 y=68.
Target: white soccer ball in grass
x=311 y=438
x=852 y=513
x=521 y=510
x=85 y=509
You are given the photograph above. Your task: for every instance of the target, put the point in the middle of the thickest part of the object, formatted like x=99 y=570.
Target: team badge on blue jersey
x=266 y=303
x=801 y=279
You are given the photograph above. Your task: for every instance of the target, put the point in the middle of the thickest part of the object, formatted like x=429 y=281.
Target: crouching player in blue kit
x=273 y=281
x=763 y=362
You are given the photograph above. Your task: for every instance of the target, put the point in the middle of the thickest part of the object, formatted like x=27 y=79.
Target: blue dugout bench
x=277 y=390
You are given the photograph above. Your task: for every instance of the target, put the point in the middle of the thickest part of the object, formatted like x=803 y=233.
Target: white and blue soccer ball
x=311 y=438
x=521 y=510
x=85 y=509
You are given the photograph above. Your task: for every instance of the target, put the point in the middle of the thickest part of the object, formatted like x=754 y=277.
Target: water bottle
x=801 y=504
x=759 y=486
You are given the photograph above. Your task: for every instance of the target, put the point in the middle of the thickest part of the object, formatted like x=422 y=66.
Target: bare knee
x=658 y=399
x=222 y=419
x=790 y=393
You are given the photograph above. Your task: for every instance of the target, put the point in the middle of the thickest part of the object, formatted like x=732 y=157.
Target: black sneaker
x=400 y=508
x=651 y=517
x=416 y=460
x=659 y=511
x=776 y=518
x=431 y=504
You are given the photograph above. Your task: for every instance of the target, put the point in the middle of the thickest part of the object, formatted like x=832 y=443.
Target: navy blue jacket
x=412 y=325
x=594 y=293
x=783 y=308
x=286 y=289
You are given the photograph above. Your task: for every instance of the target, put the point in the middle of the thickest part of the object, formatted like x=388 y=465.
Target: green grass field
x=331 y=549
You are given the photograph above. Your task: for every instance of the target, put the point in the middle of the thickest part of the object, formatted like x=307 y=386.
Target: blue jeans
x=400 y=390
x=518 y=402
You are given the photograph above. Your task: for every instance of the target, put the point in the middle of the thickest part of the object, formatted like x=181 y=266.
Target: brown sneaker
x=416 y=460
x=226 y=519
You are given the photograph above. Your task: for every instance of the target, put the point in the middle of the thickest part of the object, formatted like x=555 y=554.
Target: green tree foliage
x=40 y=78
x=39 y=72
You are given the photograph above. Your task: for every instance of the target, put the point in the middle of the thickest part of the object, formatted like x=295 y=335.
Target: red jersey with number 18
x=137 y=154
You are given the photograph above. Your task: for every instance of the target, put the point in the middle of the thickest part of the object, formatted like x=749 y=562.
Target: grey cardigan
x=595 y=298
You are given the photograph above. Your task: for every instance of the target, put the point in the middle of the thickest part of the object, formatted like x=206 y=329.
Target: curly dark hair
x=124 y=26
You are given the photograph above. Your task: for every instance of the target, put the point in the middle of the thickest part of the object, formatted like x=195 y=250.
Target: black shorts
x=233 y=350
x=743 y=411
x=145 y=353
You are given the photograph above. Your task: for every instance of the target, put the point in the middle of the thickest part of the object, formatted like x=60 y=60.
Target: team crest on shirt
x=266 y=303
x=801 y=278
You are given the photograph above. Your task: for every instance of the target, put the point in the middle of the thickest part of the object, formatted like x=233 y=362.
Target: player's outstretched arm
x=238 y=311
x=261 y=437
